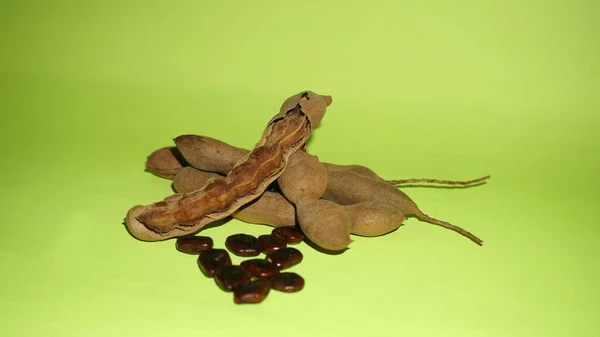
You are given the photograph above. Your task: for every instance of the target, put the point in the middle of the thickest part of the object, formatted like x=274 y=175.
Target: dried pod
x=165 y=162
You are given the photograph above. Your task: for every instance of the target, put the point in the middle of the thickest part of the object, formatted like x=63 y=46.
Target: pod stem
x=463 y=232
x=437 y=181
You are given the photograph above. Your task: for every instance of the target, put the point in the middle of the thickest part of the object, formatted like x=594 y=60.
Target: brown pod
x=165 y=162
x=251 y=292
x=269 y=243
x=325 y=223
x=212 y=260
x=373 y=218
x=287 y=282
x=194 y=244
x=286 y=133
x=270 y=208
x=259 y=268
x=189 y=179
x=285 y=257
x=291 y=234
x=209 y=154
x=229 y=278
x=243 y=245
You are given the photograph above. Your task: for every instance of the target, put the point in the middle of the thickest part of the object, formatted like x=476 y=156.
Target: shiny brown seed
x=229 y=278
x=269 y=243
x=259 y=268
x=212 y=260
x=242 y=245
x=194 y=244
x=285 y=257
x=290 y=234
x=287 y=282
x=251 y=292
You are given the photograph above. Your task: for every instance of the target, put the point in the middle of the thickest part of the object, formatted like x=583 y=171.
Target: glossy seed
x=194 y=244
x=242 y=245
x=259 y=268
x=251 y=292
x=285 y=257
x=229 y=278
x=290 y=234
x=212 y=260
x=287 y=282
x=269 y=243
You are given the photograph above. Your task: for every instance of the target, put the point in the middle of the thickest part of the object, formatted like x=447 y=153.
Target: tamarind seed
x=259 y=268
x=212 y=260
x=287 y=282
x=285 y=257
x=251 y=292
x=243 y=245
x=290 y=234
x=194 y=244
x=269 y=243
x=229 y=278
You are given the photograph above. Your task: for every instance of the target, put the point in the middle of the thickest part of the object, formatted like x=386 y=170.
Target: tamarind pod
x=347 y=188
x=373 y=218
x=187 y=213
x=326 y=224
x=165 y=162
x=271 y=208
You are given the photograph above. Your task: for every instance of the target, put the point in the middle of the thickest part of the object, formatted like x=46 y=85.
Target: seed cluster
x=251 y=280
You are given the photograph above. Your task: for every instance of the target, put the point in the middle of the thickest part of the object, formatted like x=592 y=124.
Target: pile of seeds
x=251 y=280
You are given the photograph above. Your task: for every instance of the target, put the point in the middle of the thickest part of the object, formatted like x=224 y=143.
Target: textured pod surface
x=209 y=154
x=250 y=177
x=347 y=188
x=325 y=223
x=270 y=208
x=189 y=179
x=372 y=218
x=304 y=179
x=165 y=162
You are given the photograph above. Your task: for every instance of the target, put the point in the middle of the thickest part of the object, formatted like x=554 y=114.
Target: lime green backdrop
x=438 y=89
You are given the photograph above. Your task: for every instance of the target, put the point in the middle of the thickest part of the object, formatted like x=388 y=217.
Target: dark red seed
x=290 y=234
x=287 y=282
x=229 y=278
x=212 y=260
x=194 y=244
x=269 y=243
x=285 y=257
x=259 y=268
x=251 y=292
x=242 y=245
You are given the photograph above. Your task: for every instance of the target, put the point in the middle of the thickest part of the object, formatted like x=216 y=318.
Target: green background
x=437 y=89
